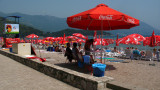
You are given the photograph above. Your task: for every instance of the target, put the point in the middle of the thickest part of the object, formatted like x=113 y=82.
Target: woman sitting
x=76 y=53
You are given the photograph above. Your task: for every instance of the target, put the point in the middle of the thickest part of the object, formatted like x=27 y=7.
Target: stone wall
x=74 y=78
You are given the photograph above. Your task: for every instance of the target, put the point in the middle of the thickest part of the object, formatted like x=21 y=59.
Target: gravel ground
x=15 y=76
x=137 y=73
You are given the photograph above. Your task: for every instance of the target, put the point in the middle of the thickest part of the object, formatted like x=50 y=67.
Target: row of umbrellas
x=135 y=39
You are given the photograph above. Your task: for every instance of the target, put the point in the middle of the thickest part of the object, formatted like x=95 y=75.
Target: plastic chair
x=148 y=55
x=128 y=53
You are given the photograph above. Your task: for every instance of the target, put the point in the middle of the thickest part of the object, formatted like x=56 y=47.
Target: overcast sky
x=144 y=10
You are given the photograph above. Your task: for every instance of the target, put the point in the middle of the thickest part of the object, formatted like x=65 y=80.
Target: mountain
x=41 y=22
x=54 y=24
x=69 y=32
x=144 y=29
x=26 y=30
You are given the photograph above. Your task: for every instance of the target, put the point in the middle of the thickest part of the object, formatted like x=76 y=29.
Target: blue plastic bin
x=86 y=59
x=10 y=49
x=98 y=69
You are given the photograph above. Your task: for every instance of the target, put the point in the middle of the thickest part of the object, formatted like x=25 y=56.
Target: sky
x=147 y=11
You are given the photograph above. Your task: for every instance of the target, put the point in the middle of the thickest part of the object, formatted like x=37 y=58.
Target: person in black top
x=68 y=53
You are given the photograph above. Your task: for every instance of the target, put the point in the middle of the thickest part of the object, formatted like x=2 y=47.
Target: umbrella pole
x=101 y=45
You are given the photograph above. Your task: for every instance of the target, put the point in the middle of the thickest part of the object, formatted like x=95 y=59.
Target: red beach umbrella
x=81 y=41
x=32 y=36
x=129 y=40
x=58 y=38
x=148 y=40
x=137 y=36
x=98 y=42
x=101 y=18
x=49 y=38
x=79 y=35
x=71 y=38
x=152 y=40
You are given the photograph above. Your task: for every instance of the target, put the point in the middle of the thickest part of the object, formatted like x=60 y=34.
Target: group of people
x=75 y=53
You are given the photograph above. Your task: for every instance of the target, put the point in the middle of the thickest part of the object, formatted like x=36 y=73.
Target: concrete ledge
x=76 y=79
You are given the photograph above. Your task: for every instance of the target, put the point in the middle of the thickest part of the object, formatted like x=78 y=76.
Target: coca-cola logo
x=107 y=17
x=130 y=20
x=77 y=18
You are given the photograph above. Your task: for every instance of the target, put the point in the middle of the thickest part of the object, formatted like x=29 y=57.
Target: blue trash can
x=98 y=69
x=10 y=49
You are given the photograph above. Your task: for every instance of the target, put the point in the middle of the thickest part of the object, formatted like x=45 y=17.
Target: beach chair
x=128 y=53
x=148 y=55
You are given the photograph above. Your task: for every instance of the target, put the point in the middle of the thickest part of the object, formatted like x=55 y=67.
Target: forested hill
x=26 y=30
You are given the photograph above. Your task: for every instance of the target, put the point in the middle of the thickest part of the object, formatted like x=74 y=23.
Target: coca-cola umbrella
x=63 y=41
x=79 y=35
x=103 y=43
x=71 y=38
x=49 y=38
x=129 y=40
x=101 y=18
x=152 y=40
x=138 y=36
x=58 y=38
x=81 y=41
x=32 y=36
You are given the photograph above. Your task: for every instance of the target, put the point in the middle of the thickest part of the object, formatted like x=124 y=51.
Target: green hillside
x=26 y=30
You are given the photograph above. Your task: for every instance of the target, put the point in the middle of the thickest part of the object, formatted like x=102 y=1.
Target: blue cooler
x=10 y=49
x=98 y=69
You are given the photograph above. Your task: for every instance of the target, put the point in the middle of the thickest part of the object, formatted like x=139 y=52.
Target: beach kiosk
x=11 y=32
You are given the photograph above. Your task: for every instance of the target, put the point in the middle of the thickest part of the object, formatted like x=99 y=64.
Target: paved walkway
x=16 y=76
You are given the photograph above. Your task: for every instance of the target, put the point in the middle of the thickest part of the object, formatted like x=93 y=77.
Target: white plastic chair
x=128 y=53
x=149 y=55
